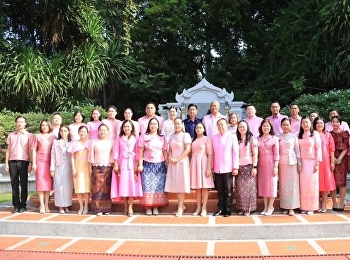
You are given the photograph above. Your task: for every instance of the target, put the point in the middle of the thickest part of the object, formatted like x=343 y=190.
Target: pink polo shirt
x=143 y=123
x=19 y=145
x=209 y=121
x=276 y=123
x=254 y=124
x=225 y=152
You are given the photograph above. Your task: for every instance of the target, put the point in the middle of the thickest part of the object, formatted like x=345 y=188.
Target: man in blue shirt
x=191 y=121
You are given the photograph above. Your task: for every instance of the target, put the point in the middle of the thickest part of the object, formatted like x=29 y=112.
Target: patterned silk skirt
x=101 y=189
x=245 y=187
x=153 y=182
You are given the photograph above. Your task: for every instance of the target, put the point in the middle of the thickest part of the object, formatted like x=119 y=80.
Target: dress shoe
x=15 y=210
x=85 y=211
x=218 y=213
x=227 y=214
x=149 y=212
x=179 y=212
x=155 y=211
x=269 y=212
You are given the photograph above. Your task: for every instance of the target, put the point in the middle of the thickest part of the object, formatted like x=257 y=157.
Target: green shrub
x=7 y=123
x=323 y=102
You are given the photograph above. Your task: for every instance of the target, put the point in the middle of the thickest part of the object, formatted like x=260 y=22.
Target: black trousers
x=19 y=178
x=223 y=184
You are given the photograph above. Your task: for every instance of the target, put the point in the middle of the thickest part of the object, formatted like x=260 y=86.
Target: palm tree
x=26 y=75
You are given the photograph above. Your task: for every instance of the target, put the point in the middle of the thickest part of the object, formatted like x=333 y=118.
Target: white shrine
x=202 y=95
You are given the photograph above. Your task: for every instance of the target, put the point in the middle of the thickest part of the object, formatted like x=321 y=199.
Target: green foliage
x=323 y=102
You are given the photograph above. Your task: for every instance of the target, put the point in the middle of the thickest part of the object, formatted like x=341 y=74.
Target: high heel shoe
x=86 y=210
x=203 y=213
x=131 y=213
x=196 y=212
x=269 y=212
x=149 y=212
x=80 y=211
x=179 y=212
x=42 y=210
x=183 y=209
x=155 y=211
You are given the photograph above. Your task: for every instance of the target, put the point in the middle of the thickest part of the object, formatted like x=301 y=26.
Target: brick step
x=190 y=203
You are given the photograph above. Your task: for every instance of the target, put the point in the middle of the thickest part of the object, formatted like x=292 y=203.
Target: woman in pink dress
x=288 y=170
x=246 y=178
x=267 y=166
x=341 y=141
x=200 y=168
x=126 y=182
x=81 y=169
x=112 y=123
x=94 y=123
x=152 y=166
x=41 y=150
x=100 y=157
x=311 y=156
x=61 y=170
x=178 y=174
x=78 y=118
x=326 y=176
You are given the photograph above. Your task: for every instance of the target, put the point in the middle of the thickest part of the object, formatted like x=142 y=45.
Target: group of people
x=109 y=159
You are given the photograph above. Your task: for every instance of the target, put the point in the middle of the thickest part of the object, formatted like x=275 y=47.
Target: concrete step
x=169 y=227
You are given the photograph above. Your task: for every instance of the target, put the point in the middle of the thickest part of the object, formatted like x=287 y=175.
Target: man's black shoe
x=21 y=210
x=14 y=210
x=218 y=213
x=227 y=214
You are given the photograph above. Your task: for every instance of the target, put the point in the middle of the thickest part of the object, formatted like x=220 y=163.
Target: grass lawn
x=7 y=196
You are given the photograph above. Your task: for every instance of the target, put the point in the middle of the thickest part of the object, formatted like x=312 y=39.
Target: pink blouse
x=246 y=151
x=153 y=147
x=100 y=152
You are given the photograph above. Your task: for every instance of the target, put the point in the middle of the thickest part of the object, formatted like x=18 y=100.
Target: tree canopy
x=57 y=54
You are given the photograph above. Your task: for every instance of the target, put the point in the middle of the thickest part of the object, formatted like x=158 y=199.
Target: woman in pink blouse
x=311 y=156
x=267 y=166
x=288 y=169
x=326 y=176
x=61 y=170
x=200 y=168
x=94 y=123
x=246 y=178
x=81 y=169
x=152 y=157
x=126 y=182
x=100 y=157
